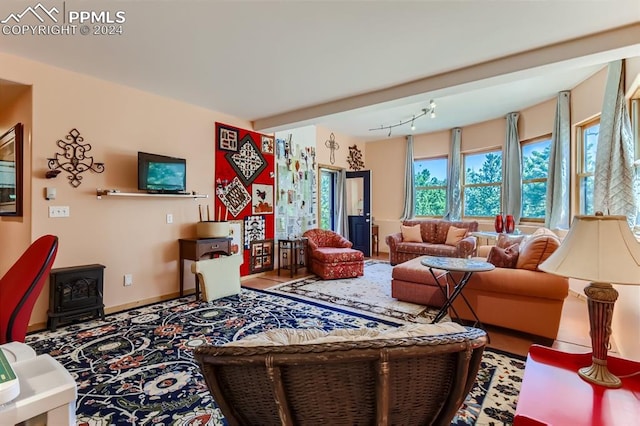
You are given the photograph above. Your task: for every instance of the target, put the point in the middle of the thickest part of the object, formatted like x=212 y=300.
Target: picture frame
x=227 y=138
x=261 y=256
x=11 y=156
x=236 y=232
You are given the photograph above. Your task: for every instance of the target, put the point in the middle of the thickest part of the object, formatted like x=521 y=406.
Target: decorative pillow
x=504 y=257
x=506 y=240
x=411 y=234
x=543 y=231
x=454 y=235
x=536 y=250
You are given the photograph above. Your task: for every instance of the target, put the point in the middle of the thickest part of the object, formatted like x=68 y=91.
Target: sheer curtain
x=454 y=205
x=409 y=185
x=557 y=200
x=614 y=180
x=342 y=220
x=511 y=170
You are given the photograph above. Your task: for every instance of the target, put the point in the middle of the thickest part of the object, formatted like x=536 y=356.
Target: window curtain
x=454 y=205
x=557 y=200
x=614 y=182
x=409 y=184
x=342 y=220
x=511 y=170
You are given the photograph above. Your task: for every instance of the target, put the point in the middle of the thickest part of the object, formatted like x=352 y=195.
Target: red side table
x=552 y=393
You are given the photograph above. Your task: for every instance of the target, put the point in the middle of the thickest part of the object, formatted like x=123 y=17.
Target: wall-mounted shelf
x=115 y=193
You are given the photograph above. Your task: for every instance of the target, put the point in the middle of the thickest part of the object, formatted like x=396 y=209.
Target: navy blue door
x=359 y=210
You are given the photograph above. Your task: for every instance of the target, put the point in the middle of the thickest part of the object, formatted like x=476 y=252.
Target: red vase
x=510 y=224
x=499 y=223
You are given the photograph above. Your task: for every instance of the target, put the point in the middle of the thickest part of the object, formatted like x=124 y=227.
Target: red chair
x=331 y=255
x=21 y=286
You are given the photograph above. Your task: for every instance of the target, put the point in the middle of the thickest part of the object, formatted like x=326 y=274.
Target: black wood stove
x=75 y=293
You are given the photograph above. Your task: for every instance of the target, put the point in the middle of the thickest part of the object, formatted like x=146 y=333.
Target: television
x=161 y=174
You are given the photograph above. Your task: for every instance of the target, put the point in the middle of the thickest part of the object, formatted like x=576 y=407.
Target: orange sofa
x=519 y=299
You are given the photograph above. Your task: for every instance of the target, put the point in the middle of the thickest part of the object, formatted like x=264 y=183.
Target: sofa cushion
x=337 y=255
x=411 y=234
x=535 y=250
x=297 y=336
x=454 y=235
x=506 y=240
x=427 y=249
x=504 y=257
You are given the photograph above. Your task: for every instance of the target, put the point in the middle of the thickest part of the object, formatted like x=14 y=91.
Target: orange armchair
x=331 y=255
x=21 y=286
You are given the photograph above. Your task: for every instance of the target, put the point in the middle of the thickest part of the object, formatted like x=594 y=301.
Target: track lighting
x=431 y=110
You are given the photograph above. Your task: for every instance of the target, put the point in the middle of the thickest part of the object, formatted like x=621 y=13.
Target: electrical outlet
x=128 y=280
x=59 y=211
x=169 y=218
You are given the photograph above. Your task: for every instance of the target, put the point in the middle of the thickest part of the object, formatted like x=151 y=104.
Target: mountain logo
x=39 y=11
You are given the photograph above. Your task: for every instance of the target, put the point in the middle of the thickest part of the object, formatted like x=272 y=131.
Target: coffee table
x=447 y=265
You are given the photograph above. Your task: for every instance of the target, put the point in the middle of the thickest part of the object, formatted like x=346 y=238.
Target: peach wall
x=535 y=121
x=15 y=232
x=385 y=159
x=128 y=235
x=344 y=141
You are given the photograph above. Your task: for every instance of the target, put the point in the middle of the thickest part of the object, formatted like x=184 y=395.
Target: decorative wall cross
x=74 y=159
x=333 y=146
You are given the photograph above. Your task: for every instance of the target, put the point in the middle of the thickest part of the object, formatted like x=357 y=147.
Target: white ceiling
x=346 y=65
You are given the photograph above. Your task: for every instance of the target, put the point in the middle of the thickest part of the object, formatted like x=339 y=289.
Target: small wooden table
x=454 y=264
x=375 y=242
x=553 y=393
x=292 y=255
x=195 y=248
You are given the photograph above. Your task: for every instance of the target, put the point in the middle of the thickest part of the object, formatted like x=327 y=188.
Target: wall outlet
x=169 y=218
x=128 y=280
x=59 y=211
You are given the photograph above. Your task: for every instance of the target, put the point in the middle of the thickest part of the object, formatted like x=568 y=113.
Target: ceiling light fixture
x=431 y=110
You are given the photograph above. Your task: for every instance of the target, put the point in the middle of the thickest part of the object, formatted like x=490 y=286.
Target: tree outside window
x=327 y=198
x=535 y=171
x=482 y=184
x=430 y=180
x=588 y=143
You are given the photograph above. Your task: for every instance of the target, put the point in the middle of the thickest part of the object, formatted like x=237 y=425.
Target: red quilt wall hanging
x=244 y=195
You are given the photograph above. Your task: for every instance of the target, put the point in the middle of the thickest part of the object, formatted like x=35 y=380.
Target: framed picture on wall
x=236 y=232
x=261 y=256
x=262 y=199
x=267 y=144
x=227 y=139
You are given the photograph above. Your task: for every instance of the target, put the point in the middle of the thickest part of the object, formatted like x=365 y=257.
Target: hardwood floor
x=573 y=335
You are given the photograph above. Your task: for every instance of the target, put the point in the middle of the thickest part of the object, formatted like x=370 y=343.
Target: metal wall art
x=74 y=159
x=333 y=146
x=355 y=158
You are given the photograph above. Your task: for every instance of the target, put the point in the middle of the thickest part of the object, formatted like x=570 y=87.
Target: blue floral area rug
x=137 y=366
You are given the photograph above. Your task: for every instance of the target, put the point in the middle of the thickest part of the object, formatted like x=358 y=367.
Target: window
x=430 y=179
x=535 y=171
x=328 y=178
x=482 y=184
x=587 y=145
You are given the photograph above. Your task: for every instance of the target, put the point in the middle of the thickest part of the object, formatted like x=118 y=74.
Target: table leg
x=448 y=299
x=181 y=257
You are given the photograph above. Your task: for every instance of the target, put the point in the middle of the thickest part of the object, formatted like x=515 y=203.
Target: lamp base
x=599 y=374
x=600 y=300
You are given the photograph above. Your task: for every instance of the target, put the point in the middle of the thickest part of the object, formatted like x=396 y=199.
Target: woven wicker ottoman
x=412 y=282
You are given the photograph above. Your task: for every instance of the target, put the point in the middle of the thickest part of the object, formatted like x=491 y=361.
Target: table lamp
x=600 y=249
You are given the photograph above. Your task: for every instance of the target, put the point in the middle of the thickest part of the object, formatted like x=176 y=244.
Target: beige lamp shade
x=598 y=249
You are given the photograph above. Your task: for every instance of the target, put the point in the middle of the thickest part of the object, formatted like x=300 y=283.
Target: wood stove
x=75 y=293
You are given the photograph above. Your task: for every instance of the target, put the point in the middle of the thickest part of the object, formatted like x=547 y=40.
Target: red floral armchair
x=331 y=255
